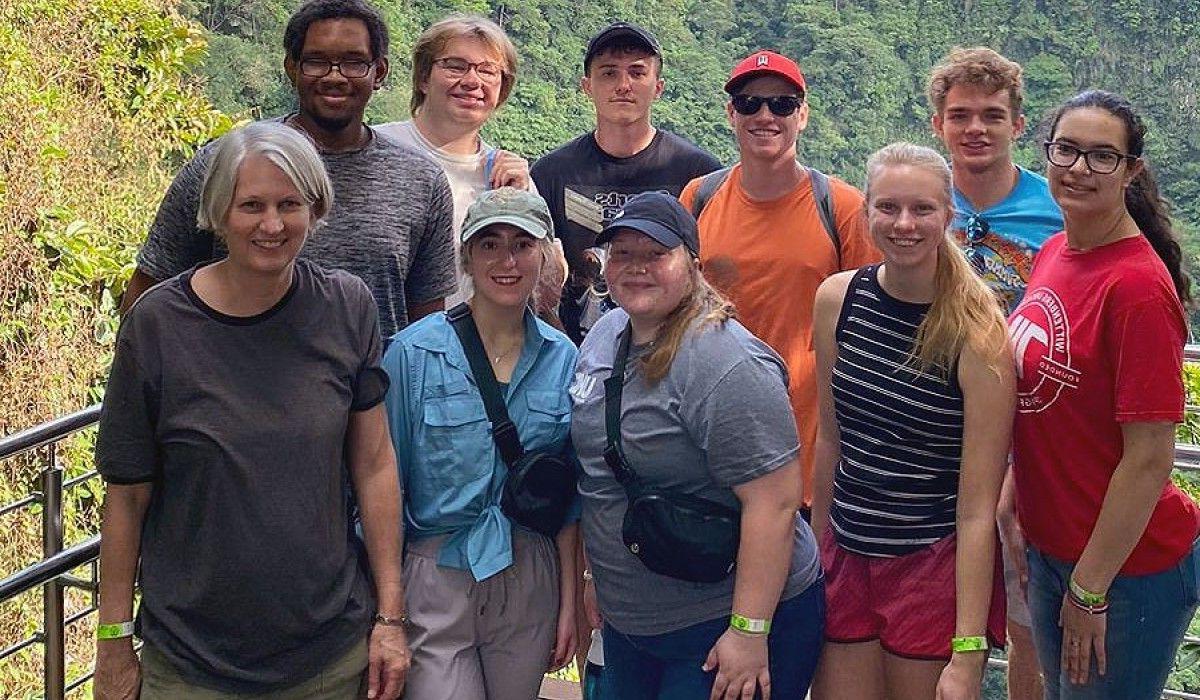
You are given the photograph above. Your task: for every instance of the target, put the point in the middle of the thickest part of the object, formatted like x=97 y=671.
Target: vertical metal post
x=54 y=650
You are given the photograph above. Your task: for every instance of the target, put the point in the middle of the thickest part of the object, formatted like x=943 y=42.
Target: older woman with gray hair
x=244 y=395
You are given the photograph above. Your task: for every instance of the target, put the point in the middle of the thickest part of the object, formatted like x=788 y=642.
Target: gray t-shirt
x=250 y=580
x=390 y=225
x=719 y=418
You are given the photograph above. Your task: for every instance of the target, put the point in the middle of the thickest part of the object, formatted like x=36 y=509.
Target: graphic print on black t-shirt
x=586 y=188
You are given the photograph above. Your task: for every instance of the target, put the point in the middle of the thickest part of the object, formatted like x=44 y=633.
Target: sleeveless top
x=896 y=485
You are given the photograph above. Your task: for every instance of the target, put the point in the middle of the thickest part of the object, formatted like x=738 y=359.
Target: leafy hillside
x=866 y=61
x=103 y=99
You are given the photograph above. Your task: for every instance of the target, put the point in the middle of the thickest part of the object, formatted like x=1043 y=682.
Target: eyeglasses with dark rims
x=319 y=67
x=780 y=105
x=1100 y=161
x=455 y=67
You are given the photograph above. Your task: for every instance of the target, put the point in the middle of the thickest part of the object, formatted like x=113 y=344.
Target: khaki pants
x=344 y=679
x=481 y=640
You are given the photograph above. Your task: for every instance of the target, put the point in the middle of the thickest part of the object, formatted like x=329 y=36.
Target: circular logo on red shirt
x=1040 y=335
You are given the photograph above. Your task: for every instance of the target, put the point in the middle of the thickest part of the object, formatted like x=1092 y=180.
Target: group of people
x=393 y=413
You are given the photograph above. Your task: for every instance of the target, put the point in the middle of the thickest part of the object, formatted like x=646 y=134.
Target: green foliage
x=99 y=109
x=866 y=62
x=1189 y=430
x=102 y=99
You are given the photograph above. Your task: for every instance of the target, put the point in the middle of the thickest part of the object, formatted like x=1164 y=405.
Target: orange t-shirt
x=769 y=258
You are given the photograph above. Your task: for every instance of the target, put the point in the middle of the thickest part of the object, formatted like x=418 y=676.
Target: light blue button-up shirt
x=450 y=468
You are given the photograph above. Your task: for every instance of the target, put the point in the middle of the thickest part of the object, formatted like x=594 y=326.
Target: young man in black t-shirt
x=587 y=180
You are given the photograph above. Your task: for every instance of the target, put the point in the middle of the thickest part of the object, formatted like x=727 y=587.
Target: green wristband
x=960 y=644
x=749 y=625
x=1085 y=596
x=116 y=630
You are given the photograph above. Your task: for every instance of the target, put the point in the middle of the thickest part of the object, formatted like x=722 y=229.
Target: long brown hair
x=965 y=311
x=703 y=302
x=1145 y=204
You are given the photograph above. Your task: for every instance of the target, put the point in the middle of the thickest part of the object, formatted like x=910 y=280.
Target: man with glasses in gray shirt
x=392 y=211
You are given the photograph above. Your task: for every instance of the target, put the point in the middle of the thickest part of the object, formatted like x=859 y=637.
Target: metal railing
x=51 y=573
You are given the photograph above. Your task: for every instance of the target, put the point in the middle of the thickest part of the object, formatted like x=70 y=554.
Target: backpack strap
x=709 y=184
x=824 y=200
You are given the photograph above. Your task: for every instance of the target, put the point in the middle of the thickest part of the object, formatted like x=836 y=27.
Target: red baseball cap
x=765 y=63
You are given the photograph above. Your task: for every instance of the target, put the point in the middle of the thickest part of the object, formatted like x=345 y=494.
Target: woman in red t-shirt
x=1099 y=341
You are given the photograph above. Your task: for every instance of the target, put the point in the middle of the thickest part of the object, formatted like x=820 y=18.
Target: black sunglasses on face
x=780 y=105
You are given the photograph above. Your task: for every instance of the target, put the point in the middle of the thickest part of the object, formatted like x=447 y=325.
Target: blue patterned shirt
x=1002 y=249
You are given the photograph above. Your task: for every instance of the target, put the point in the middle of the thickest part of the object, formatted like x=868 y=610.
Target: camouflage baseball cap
x=509 y=205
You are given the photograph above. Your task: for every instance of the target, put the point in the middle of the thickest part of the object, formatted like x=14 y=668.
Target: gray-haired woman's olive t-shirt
x=250 y=580
x=719 y=418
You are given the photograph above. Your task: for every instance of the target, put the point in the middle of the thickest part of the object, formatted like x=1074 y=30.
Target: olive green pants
x=344 y=679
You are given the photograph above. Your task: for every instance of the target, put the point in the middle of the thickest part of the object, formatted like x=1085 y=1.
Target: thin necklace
x=501 y=356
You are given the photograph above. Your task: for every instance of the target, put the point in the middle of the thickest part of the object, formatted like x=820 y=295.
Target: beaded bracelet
x=1084 y=595
x=1084 y=606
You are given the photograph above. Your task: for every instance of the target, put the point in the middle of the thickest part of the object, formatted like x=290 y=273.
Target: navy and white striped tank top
x=896 y=486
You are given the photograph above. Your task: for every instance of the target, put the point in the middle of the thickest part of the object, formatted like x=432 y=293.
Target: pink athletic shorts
x=907 y=603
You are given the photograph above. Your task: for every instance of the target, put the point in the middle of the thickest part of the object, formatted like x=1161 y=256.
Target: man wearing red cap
x=772 y=230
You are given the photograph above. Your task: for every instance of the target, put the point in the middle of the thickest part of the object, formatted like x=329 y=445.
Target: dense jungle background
x=102 y=100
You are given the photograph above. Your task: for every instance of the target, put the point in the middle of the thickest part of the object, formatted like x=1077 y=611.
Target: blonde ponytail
x=965 y=311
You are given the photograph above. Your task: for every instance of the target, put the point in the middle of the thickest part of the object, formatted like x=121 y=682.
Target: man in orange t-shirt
x=762 y=239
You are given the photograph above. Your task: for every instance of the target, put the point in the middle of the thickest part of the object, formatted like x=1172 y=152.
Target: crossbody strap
x=614 y=455
x=504 y=433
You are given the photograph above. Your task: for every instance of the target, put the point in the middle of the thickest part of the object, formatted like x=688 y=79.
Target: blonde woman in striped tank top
x=916 y=416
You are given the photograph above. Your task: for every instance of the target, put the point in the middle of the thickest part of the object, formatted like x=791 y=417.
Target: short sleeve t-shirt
x=769 y=257
x=390 y=226
x=586 y=187
x=249 y=578
x=1099 y=341
x=718 y=419
x=1008 y=235
x=469 y=176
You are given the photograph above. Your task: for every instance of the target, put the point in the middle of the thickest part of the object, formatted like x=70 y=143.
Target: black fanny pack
x=540 y=486
x=674 y=534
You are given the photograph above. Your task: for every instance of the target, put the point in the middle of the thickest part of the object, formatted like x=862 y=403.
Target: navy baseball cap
x=659 y=216
x=618 y=31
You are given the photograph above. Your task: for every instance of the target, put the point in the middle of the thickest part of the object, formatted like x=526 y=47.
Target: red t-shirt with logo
x=1098 y=341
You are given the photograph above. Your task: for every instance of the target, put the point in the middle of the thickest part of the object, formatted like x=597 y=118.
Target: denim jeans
x=1147 y=617
x=667 y=666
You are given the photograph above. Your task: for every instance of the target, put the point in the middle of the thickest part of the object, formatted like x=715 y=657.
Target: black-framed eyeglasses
x=976 y=231
x=780 y=105
x=1101 y=161
x=319 y=67
x=455 y=67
